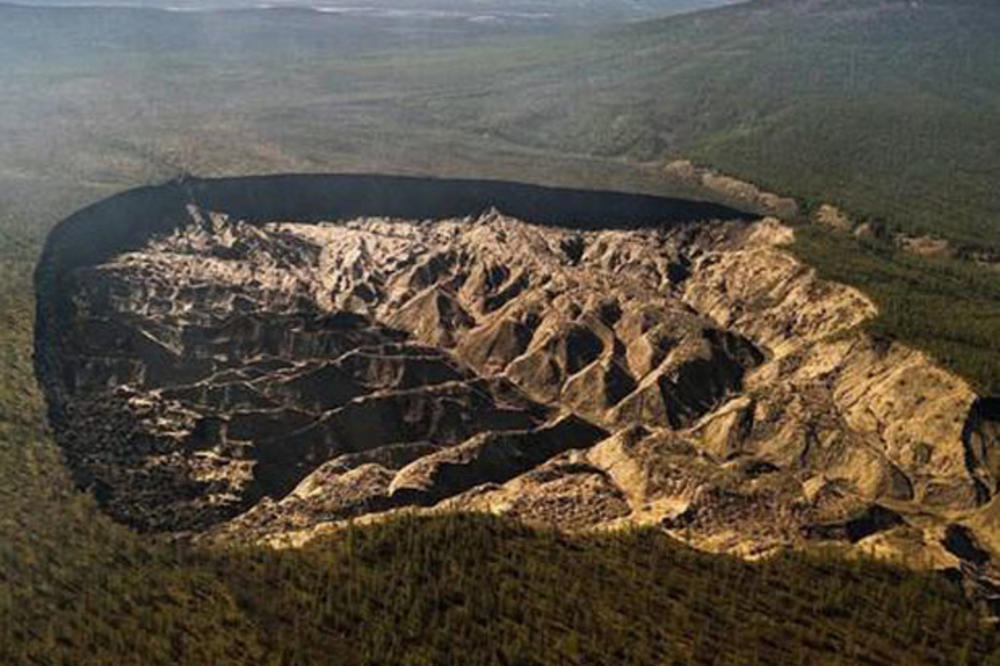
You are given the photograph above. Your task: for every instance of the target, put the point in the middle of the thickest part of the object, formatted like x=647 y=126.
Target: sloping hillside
x=887 y=107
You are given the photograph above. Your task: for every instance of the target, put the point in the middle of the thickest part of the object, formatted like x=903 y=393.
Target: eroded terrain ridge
x=267 y=379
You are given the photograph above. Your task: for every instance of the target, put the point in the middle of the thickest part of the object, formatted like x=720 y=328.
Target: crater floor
x=269 y=380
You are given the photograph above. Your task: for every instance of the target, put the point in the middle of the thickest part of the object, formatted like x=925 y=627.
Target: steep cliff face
x=270 y=380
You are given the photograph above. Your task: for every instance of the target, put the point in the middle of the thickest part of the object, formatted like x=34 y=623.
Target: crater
x=294 y=349
x=252 y=358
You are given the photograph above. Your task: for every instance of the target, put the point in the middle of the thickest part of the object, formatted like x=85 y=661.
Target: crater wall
x=264 y=357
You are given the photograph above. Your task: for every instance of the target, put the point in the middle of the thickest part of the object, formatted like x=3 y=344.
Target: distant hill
x=890 y=108
x=542 y=12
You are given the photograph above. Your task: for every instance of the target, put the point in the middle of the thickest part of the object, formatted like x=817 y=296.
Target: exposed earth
x=269 y=381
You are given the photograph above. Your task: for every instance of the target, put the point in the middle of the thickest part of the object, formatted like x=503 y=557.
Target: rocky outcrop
x=739 y=192
x=749 y=196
